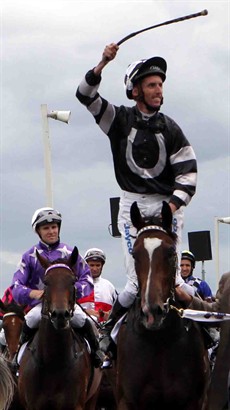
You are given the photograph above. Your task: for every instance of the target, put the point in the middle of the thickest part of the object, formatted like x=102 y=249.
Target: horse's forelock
x=57 y=273
x=152 y=220
x=63 y=261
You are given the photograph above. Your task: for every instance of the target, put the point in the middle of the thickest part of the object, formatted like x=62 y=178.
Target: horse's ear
x=136 y=217
x=44 y=262
x=73 y=257
x=166 y=216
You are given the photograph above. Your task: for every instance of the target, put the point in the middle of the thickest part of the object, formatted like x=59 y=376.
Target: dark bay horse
x=55 y=371
x=12 y=321
x=161 y=359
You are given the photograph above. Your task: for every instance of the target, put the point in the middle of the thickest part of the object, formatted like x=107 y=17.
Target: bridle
x=170 y=302
x=150 y=228
x=58 y=265
x=46 y=314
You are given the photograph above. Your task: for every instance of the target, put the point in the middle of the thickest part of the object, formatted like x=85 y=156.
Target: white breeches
x=33 y=317
x=149 y=205
x=2 y=338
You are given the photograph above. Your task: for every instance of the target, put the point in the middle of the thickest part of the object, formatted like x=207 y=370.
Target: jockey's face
x=186 y=268
x=49 y=233
x=148 y=93
x=95 y=268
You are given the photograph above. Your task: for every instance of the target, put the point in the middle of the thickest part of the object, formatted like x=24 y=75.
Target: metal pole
x=203 y=271
x=217 y=249
x=47 y=156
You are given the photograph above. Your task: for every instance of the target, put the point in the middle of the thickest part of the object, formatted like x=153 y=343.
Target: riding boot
x=26 y=334
x=88 y=332
x=2 y=341
x=106 y=343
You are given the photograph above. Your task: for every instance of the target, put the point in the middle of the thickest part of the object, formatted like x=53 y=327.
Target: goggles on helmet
x=43 y=216
x=95 y=254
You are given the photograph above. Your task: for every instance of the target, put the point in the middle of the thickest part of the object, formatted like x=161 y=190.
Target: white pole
x=217 y=250
x=47 y=156
x=203 y=271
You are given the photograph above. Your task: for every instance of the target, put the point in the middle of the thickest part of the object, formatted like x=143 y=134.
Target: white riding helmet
x=142 y=68
x=95 y=254
x=46 y=215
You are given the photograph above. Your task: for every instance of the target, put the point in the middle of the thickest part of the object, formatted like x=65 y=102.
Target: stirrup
x=107 y=363
x=98 y=357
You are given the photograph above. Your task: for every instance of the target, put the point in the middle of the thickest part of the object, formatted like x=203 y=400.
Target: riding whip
x=177 y=20
x=98 y=325
x=203 y=316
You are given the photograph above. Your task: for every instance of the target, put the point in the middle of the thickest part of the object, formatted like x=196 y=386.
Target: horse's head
x=154 y=253
x=12 y=321
x=59 y=295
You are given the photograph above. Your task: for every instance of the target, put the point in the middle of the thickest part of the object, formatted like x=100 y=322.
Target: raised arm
x=108 y=55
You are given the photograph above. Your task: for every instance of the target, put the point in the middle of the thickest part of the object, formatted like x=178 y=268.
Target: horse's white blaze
x=150 y=245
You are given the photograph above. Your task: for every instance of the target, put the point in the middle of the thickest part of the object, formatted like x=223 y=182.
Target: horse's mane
x=154 y=220
x=6 y=385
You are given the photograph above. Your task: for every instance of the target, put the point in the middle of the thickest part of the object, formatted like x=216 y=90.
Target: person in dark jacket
x=153 y=160
x=187 y=266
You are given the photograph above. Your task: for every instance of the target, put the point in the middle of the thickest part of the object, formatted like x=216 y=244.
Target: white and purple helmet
x=95 y=254
x=44 y=216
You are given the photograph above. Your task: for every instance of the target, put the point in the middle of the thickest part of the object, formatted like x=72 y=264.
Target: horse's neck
x=54 y=344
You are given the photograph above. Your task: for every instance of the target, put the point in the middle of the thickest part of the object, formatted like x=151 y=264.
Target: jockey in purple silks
x=28 y=287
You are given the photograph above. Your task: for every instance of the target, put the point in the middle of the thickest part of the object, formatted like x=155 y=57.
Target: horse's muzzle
x=60 y=318
x=153 y=316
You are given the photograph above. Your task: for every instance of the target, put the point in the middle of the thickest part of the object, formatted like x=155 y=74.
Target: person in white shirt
x=99 y=303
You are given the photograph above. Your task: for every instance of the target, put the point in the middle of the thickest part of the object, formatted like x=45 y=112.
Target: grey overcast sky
x=46 y=49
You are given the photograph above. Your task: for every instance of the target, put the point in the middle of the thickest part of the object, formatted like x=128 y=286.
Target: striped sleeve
x=102 y=111
x=184 y=165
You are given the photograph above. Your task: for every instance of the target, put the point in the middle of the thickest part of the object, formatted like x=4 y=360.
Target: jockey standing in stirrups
x=153 y=160
x=27 y=285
